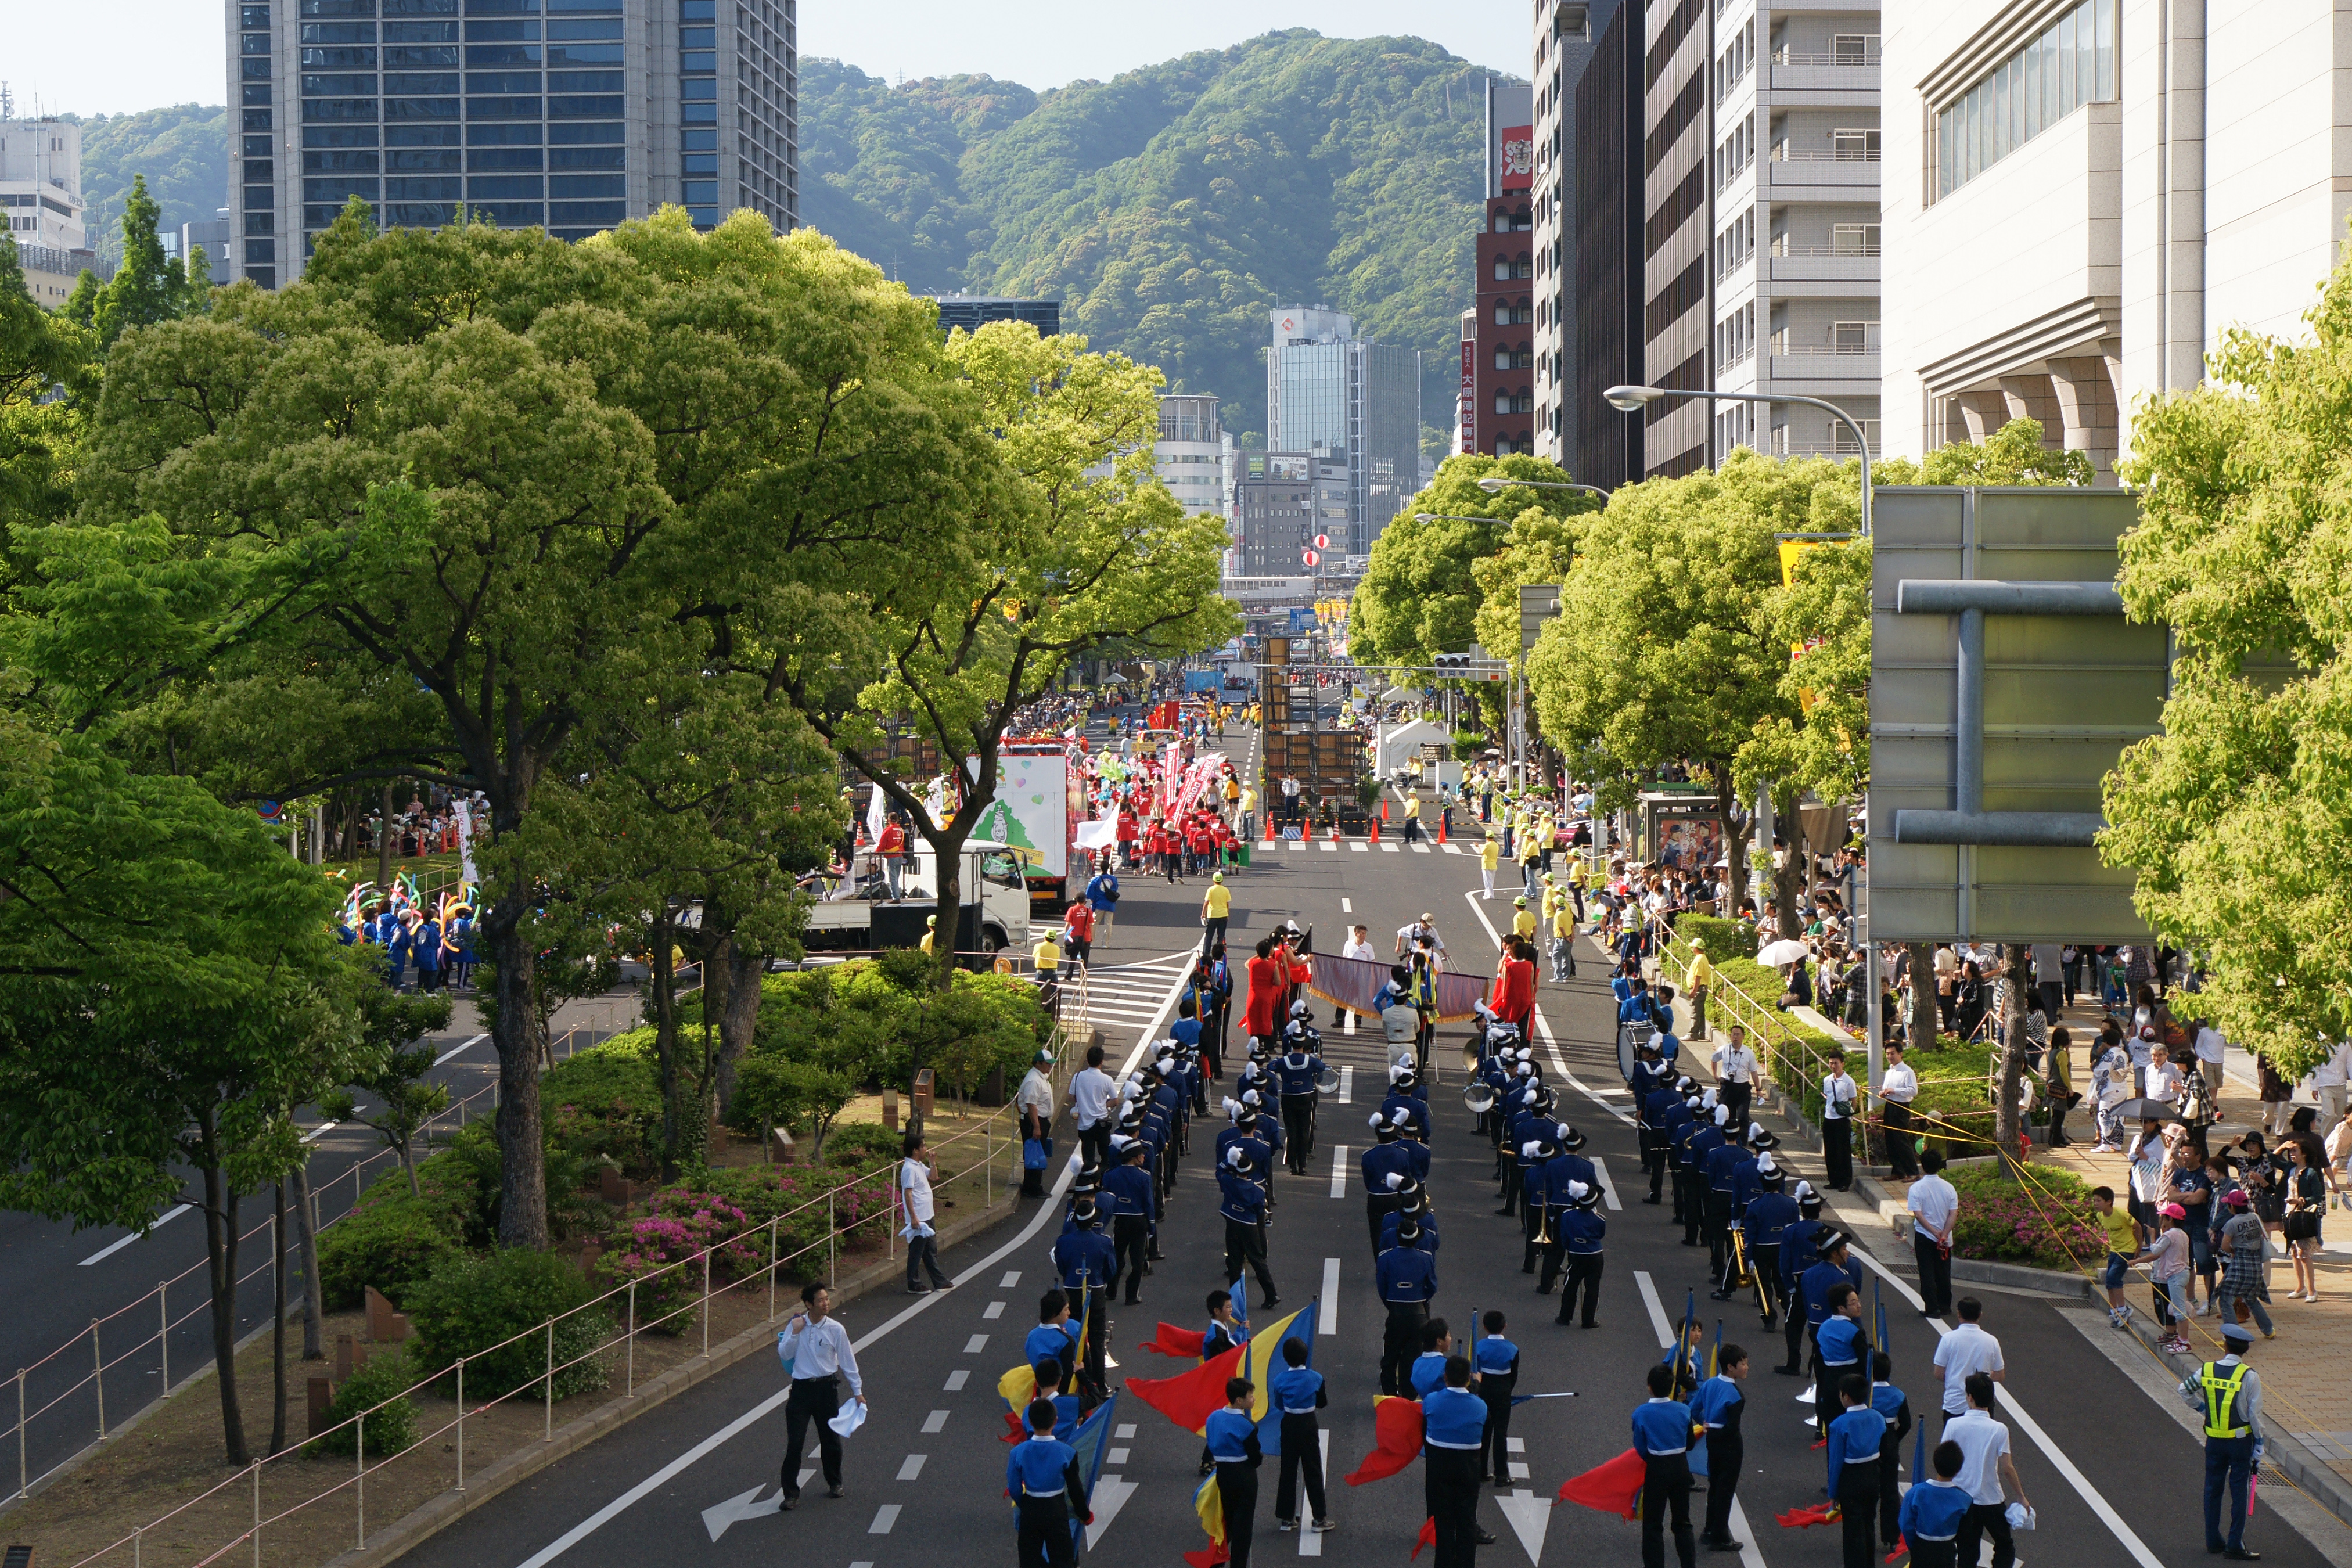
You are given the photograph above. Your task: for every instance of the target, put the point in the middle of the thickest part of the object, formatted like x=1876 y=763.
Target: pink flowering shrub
x=662 y=1251
x=2048 y=1223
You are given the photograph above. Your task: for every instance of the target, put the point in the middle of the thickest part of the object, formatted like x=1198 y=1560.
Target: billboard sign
x=1518 y=161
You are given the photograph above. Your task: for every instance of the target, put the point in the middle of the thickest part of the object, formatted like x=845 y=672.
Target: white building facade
x=40 y=190
x=2089 y=192
x=1795 y=261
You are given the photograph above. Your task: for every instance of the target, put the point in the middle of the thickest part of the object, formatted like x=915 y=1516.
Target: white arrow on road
x=1110 y=1494
x=1530 y=1516
x=736 y=1509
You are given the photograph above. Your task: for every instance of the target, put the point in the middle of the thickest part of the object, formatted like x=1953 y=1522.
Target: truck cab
x=993 y=917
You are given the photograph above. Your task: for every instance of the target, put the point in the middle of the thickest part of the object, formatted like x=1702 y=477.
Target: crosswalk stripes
x=1451 y=849
x=1423 y=848
x=1129 y=995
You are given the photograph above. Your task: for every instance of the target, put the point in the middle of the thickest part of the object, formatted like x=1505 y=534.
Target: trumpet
x=1543 y=1229
x=1479 y=1096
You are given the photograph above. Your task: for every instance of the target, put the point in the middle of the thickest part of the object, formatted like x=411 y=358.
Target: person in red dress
x=1515 y=985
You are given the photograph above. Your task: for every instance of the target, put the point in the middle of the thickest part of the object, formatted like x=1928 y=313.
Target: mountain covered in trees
x=182 y=149
x=1170 y=208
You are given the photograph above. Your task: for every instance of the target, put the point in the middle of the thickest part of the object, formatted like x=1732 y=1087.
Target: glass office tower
x=573 y=114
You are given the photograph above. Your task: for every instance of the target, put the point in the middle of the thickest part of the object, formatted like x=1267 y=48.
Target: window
x=1855 y=146
x=2070 y=63
x=1853 y=239
x=1853 y=49
x=1853 y=337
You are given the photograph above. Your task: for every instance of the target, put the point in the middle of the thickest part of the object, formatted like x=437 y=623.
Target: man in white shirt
x=2211 y=1050
x=1988 y=1473
x=1965 y=1352
x=1737 y=1067
x=2327 y=1081
x=1934 y=1208
x=915 y=1172
x=1089 y=1100
x=1839 y=1097
x=816 y=1353
x=1897 y=1087
x=1357 y=946
x=1033 y=1103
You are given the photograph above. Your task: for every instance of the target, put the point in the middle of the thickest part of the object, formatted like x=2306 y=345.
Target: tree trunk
x=220 y=1255
x=2007 y=1125
x=1927 y=1017
x=1789 y=878
x=740 y=1020
x=408 y=1163
x=278 y=1321
x=306 y=1245
x=1732 y=823
x=516 y=1032
x=662 y=981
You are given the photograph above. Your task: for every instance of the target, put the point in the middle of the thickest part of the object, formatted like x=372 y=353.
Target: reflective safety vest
x=2221 y=1398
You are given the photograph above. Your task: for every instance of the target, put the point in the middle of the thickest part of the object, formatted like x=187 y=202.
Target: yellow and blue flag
x=1263 y=1360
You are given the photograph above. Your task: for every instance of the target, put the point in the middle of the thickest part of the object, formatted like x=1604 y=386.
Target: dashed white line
x=993 y=1312
x=1346 y=907
x=1608 y=1182
x=937 y=1421
x=911 y=1468
x=1124 y=1430
x=974 y=1345
x=1348 y=1085
x=957 y=1378
x=884 y=1518
x=1117 y=1456
x=1359 y=846
x=1012 y=1278
x=1338 y=1170
x=1327 y=1319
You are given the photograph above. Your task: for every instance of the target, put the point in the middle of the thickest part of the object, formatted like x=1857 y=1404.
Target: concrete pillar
x=2030 y=397
x=2086 y=402
x=1983 y=413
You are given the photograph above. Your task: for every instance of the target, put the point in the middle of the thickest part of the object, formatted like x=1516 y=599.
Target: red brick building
x=1498 y=361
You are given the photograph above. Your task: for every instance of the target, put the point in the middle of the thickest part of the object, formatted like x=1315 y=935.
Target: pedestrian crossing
x=1128 y=997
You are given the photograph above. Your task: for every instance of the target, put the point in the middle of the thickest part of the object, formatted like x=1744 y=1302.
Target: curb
x=447 y=1508
x=2018 y=1276
x=2281 y=1449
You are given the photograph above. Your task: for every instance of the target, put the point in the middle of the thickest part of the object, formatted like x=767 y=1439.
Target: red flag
x=1901 y=1546
x=1174 y=1340
x=1428 y=1537
x=1209 y=1556
x=1190 y=1398
x=1396 y=1427
x=1612 y=1488
x=1812 y=1514
x=1015 y=1425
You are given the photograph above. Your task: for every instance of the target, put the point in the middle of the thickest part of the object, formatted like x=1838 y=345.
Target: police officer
x=1579 y=1231
x=1453 y=1427
x=1294 y=1072
x=2228 y=1394
x=1042 y=1475
x=1407 y=1278
x=1662 y=1433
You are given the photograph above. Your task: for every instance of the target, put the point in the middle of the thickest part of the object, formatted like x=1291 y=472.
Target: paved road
x=925 y=1475
x=60 y=1280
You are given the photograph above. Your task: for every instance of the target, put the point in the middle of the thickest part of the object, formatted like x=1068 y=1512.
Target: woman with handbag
x=2306 y=1206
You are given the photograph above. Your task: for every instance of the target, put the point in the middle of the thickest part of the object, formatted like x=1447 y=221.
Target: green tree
x=170 y=993
x=407 y=516
x=2012 y=454
x=41 y=355
x=1051 y=568
x=2236 y=814
x=393 y=1028
x=149 y=287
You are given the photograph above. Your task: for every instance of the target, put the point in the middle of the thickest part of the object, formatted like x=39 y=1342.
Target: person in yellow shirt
x=1247 y=812
x=1216 y=904
x=1696 y=980
x=1413 y=817
x=930 y=929
x=1049 y=956
x=1490 y=855
x=1524 y=921
x=1563 y=938
x=1530 y=846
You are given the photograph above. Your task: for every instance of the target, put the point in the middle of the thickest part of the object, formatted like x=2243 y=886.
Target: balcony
x=1822 y=362
x=1823 y=263
x=1836 y=77
x=1822 y=174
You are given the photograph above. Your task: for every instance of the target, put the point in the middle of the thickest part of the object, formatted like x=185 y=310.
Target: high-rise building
x=40 y=189
x=1563 y=48
x=2093 y=195
x=1353 y=401
x=574 y=114
x=1274 y=495
x=1497 y=414
x=1677 y=229
x=1192 y=454
x=970 y=312
x=1794 y=172
x=1608 y=182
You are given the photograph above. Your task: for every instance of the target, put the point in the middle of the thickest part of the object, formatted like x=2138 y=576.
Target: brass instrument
x=1543 y=1229
x=1745 y=1275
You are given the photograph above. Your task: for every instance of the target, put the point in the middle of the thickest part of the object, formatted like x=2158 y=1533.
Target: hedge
x=392 y=1240
x=471 y=1304
x=389 y=1429
x=2050 y=1224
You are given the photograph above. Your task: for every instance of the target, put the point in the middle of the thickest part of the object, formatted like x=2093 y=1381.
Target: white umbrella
x=1788 y=950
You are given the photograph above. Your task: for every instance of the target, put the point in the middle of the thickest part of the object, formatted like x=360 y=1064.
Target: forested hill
x=1171 y=207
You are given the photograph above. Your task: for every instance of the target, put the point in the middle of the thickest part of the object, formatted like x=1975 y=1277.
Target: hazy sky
x=106 y=56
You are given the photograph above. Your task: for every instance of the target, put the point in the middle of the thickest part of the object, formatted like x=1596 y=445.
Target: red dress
x=1515 y=992
x=1266 y=987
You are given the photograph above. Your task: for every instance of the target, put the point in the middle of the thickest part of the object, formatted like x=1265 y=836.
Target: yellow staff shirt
x=1490 y=854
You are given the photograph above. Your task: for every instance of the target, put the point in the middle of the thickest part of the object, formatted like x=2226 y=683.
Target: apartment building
x=573 y=114
x=1564 y=31
x=1795 y=262
x=1608 y=184
x=40 y=190
x=1499 y=352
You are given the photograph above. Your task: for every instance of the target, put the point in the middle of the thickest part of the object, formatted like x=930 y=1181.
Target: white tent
x=1393 y=745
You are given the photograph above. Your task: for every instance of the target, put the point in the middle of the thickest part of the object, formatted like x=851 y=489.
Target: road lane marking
x=1346 y=907
x=1514 y=1445
x=910 y=1469
x=1749 y=1557
x=459 y=1049
x=957 y=1378
x=993 y=1312
x=1124 y=1430
x=1310 y=1540
x=884 y=1518
x=102 y=1254
x=2065 y=1466
x=1012 y=1278
x=1608 y=1182
x=1298 y=845
x=1117 y=1456
x=1559 y=1065
x=1359 y=846
x=1346 y=1086
x=1339 y=1170
x=775 y=1401
x=1327 y=1318
x=937 y=1421
x=1329 y=848
x=974 y=1345
x=1451 y=849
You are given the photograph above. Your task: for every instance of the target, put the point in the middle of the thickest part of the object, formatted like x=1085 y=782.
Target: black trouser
x=923 y=1254
x=1583 y=1277
x=1890 y=1488
x=1450 y=1490
x=1655 y=1159
x=1298 y=1127
x=1694 y=1204
x=1826 y=1378
x=1933 y=1553
x=1032 y=1183
x=1764 y=1260
x=1714 y=1227
x=1400 y=1342
x=1555 y=1255
x=1378 y=1206
x=1737 y=1096
x=1495 y=1442
x=1094 y=1145
x=1302 y=1449
x=1046 y=1539
x=1795 y=1328
x=1725 y=1453
x=1245 y=1245
x=1982 y=1520
x=1237 y=1489
x=1837 y=1150
x=1934 y=1272
x=1666 y=1489
x=1513 y=1179
x=1532 y=1220
x=1857 y=1496
x=1902 y=1152
x=1132 y=1235
x=814 y=1399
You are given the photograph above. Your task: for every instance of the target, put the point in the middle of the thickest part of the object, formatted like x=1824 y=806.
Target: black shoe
x=919 y=1289
x=1788 y=1371
x=1718 y=1295
x=1724 y=1545
x=1651 y=1200
x=1271 y=1301
x=1485 y=1537
x=2243 y=1555
x=833 y=1491
x=1504 y=1214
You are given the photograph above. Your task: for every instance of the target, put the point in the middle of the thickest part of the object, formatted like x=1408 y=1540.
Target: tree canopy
x=2236 y=816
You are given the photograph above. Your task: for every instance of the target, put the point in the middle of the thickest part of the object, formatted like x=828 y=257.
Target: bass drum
x=1631 y=1037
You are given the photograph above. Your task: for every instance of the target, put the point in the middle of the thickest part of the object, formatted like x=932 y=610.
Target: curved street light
x=1634 y=399
x=1495 y=485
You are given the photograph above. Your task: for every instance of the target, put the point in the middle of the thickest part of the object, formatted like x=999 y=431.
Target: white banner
x=465 y=840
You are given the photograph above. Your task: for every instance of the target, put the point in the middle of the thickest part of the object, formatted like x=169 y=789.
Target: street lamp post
x=1634 y=399
x=1494 y=484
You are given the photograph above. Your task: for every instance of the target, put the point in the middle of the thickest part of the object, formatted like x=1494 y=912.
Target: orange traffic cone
x=1269 y=827
x=1441 y=827
x=1335 y=831
x=1376 y=830
x=1384 y=808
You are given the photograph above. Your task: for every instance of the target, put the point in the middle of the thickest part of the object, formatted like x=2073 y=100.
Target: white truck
x=994 y=914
